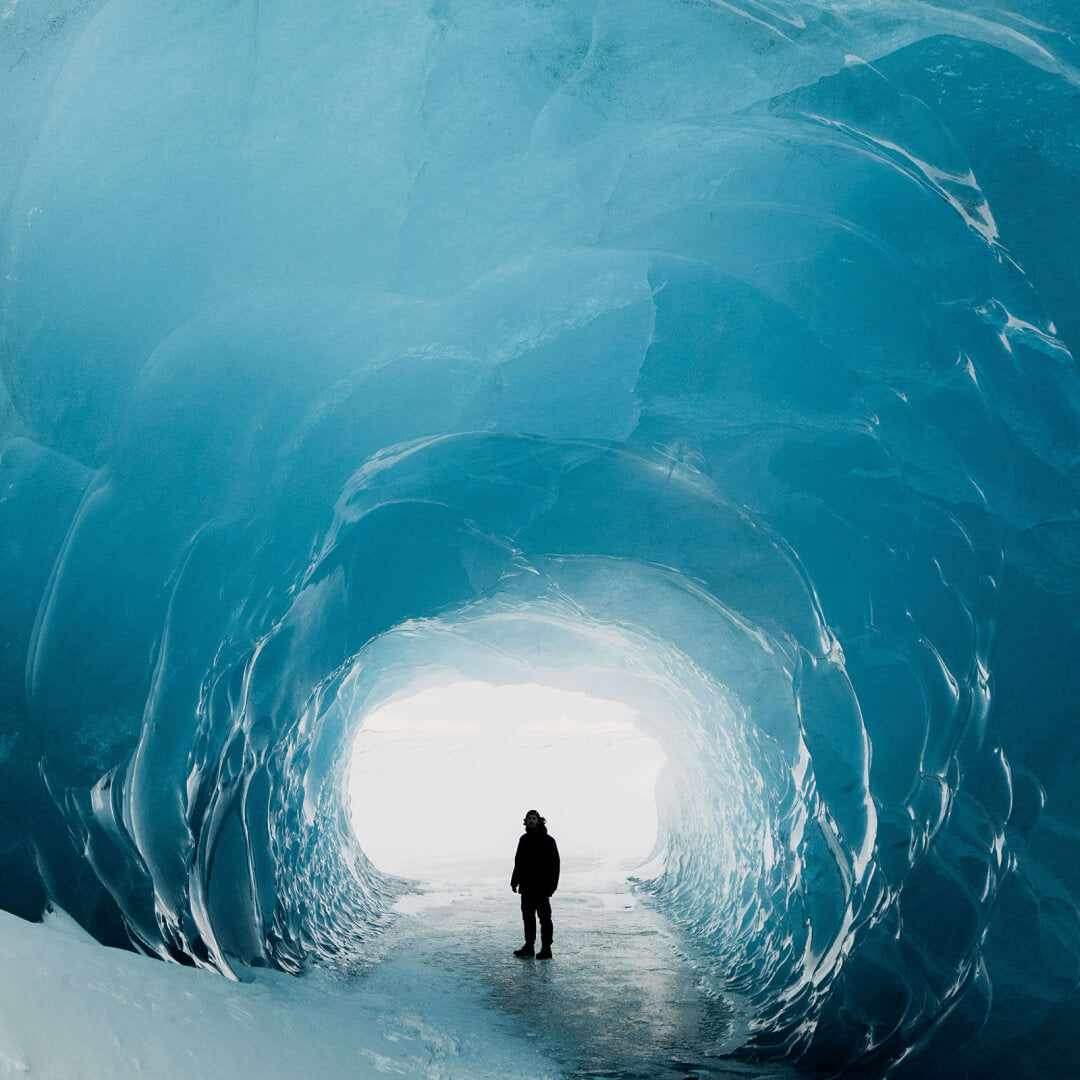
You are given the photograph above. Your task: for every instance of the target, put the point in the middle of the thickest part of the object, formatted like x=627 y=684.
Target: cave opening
x=439 y=780
x=424 y=752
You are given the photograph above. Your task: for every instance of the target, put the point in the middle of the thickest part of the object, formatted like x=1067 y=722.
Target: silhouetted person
x=536 y=877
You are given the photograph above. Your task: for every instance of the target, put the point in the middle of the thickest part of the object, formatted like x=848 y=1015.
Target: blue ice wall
x=716 y=356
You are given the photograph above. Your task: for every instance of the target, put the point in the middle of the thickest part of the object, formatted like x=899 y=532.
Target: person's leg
x=547 y=930
x=528 y=917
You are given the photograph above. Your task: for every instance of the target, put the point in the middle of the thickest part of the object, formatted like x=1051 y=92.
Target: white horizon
x=440 y=780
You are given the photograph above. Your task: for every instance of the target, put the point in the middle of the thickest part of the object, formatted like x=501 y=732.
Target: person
x=536 y=877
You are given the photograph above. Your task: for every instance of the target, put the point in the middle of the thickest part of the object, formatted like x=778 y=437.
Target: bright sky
x=440 y=781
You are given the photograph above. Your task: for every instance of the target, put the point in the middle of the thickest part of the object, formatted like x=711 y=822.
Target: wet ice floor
x=619 y=1000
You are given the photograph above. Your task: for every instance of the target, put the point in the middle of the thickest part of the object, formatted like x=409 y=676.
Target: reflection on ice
x=621 y=999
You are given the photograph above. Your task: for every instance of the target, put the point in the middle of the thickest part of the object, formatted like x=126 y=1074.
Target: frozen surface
x=74 y=1011
x=711 y=358
x=619 y=999
x=438 y=995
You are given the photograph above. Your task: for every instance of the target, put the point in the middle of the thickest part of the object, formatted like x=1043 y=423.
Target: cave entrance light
x=439 y=780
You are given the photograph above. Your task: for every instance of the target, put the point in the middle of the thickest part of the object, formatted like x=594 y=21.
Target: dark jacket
x=536 y=864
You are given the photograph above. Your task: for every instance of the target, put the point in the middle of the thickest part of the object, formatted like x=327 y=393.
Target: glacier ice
x=715 y=358
x=113 y=1014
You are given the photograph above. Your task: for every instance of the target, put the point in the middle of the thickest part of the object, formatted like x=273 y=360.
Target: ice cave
x=690 y=382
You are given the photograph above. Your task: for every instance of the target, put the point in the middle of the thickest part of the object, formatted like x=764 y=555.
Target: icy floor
x=617 y=1000
x=440 y=996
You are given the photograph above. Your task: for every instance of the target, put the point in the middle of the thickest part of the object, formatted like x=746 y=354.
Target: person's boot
x=544 y=953
x=527 y=950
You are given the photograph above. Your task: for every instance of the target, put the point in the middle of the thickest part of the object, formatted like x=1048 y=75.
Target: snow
x=72 y=1010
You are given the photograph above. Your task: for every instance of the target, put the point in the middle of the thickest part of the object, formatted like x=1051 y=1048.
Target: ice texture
x=712 y=357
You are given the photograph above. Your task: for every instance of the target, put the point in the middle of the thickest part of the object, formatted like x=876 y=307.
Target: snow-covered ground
x=439 y=997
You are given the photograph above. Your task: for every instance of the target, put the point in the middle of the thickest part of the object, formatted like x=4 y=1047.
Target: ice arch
x=719 y=351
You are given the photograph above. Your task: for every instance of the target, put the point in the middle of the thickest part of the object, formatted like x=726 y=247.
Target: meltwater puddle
x=618 y=1000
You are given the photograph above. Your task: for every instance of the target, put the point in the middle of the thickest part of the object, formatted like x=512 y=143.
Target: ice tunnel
x=714 y=359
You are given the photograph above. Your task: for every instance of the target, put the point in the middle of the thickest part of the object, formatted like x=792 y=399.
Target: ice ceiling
x=713 y=358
